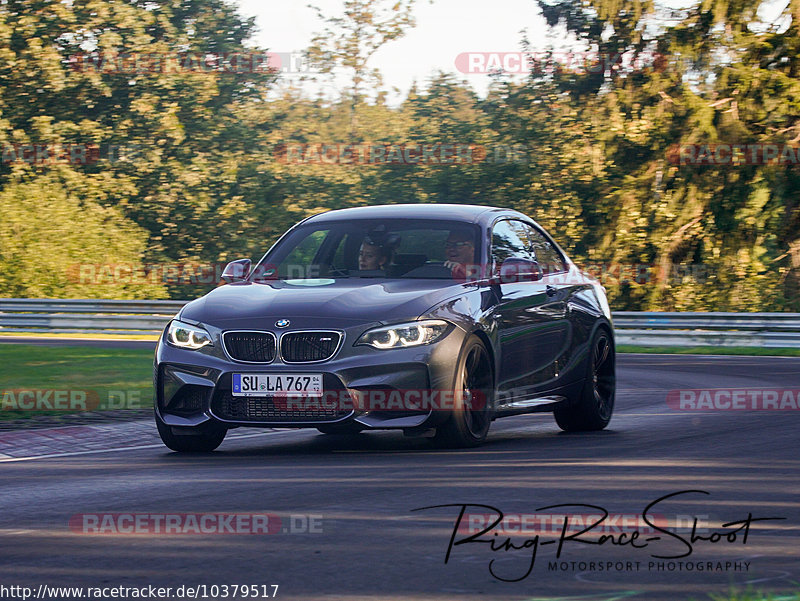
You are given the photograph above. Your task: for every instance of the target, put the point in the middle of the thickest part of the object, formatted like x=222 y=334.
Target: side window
x=543 y=251
x=298 y=263
x=343 y=256
x=508 y=243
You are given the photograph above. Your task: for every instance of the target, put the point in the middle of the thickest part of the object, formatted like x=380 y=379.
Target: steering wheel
x=340 y=271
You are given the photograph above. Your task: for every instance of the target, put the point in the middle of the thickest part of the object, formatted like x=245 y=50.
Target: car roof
x=458 y=212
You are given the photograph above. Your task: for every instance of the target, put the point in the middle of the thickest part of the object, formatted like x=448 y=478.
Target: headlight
x=187 y=336
x=405 y=334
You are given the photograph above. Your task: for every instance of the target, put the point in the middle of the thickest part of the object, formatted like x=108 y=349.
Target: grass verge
x=72 y=378
x=711 y=350
x=79 y=337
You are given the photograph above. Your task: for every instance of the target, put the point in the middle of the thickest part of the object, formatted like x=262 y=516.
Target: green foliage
x=52 y=231
x=726 y=79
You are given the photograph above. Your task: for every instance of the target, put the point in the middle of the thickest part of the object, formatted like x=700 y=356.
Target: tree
x=352 y=39
x=724 y=77
x=150 y=78
x=56 y=242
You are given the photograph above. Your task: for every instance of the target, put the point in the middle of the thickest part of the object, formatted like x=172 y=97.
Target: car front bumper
x=194 y=387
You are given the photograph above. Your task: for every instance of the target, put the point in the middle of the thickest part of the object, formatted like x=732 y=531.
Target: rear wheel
x=199 y=439
x=593 y=408
x=468 y=424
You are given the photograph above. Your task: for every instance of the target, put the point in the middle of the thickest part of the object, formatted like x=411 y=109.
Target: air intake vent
x=188 y=400
x=252 y=347
x=307 y=347
x=270 y=410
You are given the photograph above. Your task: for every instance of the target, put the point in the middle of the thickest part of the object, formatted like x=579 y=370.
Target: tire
x=594 y=406
x=205 y=440
x=468 y=424
x=341 y=429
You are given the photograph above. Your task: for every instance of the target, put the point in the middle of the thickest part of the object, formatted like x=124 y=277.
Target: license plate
x=277 y=385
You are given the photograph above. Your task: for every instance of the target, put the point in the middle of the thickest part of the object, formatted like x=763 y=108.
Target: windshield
x=387 y=248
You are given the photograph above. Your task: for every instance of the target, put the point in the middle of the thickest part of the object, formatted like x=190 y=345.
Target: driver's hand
x=457 y=270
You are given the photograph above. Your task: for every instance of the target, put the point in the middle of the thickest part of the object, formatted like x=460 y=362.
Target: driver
x=459 y=251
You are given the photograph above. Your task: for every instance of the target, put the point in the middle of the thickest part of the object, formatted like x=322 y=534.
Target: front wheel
x=199 y=439
x=468 y=424
x=593 y=408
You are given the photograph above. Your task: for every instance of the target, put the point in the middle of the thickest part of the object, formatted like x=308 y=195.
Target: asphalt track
x=363 y=490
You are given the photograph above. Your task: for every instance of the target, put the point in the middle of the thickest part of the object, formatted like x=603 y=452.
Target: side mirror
x=517 y=270
x=236 y=271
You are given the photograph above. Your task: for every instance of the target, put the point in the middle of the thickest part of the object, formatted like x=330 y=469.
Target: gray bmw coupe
x=427 y=318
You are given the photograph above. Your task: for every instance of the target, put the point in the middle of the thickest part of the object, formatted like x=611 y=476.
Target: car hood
x=346 y=302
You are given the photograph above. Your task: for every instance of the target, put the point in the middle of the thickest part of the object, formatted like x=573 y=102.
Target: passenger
x=373 y=256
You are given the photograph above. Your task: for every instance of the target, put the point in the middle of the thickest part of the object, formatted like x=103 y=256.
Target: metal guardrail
x=30 y=315
x=768 y=330
x=763 y=330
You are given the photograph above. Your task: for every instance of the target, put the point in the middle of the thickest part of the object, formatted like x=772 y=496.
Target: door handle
x=551 y=290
